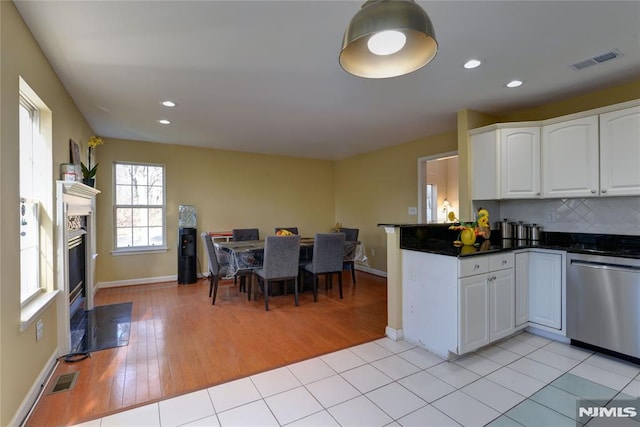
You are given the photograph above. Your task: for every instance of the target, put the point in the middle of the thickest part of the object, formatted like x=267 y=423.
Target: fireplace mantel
x=73 y=199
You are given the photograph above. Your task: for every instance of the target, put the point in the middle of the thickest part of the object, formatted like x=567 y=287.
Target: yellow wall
x=22 y=359
x=380 y=186
x=229 y=190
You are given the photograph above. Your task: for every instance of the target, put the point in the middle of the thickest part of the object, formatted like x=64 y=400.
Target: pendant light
x=388 y=38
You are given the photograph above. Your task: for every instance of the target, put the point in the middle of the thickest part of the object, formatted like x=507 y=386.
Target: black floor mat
x=106 y=326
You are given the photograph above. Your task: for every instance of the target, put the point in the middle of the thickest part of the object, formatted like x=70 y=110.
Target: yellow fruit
x=468 y=236
x=483 y=212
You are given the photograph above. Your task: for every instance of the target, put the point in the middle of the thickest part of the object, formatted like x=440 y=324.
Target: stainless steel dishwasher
x=603 y=302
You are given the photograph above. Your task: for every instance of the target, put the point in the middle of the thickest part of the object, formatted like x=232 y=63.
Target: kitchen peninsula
x=453 y=300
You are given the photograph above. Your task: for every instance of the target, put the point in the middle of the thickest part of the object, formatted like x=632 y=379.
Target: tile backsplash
x=606 y=215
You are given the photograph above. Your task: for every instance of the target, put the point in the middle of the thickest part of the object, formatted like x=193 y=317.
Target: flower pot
x=91 y=182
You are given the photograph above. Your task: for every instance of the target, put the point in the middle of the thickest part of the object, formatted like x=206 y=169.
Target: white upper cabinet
x=620 y=152
x=485 y=169
x=570 y=158
x=505 y=161
x=520 y=163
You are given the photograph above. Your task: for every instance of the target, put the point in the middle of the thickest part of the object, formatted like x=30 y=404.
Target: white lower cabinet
x=486 y=310
x=502 y=296
x=473 y=313
x=522 y=288
x=545 y=289
x=456 y=305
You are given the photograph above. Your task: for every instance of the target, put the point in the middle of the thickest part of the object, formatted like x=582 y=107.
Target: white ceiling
x=263 y=76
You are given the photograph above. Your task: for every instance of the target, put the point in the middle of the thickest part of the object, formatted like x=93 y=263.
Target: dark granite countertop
x=438 y=239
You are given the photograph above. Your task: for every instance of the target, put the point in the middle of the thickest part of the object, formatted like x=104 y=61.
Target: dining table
x=248 y=254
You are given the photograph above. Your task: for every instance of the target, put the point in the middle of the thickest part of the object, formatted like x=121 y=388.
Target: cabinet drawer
x=473 y=265
x=501 y=261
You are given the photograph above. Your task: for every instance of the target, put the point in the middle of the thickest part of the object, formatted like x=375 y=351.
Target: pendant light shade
x=398 y=31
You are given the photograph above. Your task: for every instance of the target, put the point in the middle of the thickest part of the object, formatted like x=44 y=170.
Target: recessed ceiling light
x=515 y=83
x=164 y=122
x=472 y=63
x=169 y=103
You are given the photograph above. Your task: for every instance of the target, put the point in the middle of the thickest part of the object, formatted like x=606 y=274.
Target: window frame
x=139 y=249
x=34 y=119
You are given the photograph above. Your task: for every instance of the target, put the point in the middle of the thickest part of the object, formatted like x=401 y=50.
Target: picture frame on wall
x=74 y=157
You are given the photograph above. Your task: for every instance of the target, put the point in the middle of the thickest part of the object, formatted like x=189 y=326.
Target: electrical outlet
x=373 y=252
x=39 y=329
x=551 y=216
x=413 y=210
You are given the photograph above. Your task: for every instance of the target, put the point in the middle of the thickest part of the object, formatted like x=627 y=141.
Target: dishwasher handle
x=605 y=265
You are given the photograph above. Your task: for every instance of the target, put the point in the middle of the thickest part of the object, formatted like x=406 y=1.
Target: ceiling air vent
x=598 y=59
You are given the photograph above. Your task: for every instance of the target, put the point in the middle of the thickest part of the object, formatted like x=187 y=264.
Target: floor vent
x=598 y=59
x=64 y=382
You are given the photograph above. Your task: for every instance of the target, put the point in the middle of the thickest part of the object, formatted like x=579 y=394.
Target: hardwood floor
x=179 y=342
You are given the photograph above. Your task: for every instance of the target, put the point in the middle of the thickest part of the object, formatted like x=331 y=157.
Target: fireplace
x=77 y=252
x=77 y=276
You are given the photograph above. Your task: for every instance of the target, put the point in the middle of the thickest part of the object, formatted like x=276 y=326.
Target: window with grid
x=31 y=153
x=139 y=206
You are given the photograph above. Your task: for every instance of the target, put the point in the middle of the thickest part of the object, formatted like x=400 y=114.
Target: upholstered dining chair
x=280 y=263
x=239 y=235
x=215 y=268
x=351 y=235
x=243 y=234
x=293 y=230
x=328 y=255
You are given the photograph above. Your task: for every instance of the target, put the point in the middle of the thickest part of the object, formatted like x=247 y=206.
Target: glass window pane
x=155 y=217
x=124 y=217
x=139 y=175
x=155 y=196
x=155 y=236
x=140 y=195
x=140 y=236
x=123 y=174
x=124 y=237
x=155 y=176
x=140 y=217
x=123 y=194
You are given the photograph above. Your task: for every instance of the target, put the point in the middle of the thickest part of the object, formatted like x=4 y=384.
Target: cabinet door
x=473 y=313
x=502 y=304
x=522 y=288
x=545 y=289
x=520 y=163
x=570 y=158
x=620 y=152
x=485 y=173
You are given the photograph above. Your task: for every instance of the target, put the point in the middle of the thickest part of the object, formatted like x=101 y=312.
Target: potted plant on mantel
x=88 y=172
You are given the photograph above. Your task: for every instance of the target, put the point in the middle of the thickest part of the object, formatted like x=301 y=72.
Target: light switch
x=413 y=210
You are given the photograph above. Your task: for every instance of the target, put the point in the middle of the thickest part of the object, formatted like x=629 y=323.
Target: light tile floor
x=527 y=380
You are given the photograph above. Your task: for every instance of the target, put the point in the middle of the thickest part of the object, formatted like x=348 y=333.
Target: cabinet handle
x=477 y=266
x=504 y=261
x=593 y=191
x=603 y=191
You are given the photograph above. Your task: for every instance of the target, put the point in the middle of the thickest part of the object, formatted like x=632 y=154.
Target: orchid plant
x=89 y=172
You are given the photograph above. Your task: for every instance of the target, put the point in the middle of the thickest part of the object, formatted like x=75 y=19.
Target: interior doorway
x=437 y=187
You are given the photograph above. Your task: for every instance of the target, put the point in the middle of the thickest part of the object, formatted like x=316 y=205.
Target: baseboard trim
x=36 y=390
x=160 y=279
x=140 y=281
x=368 y=269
